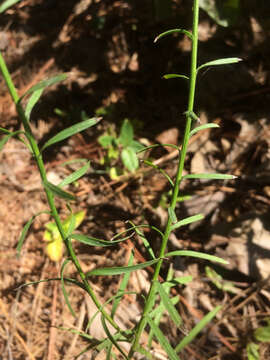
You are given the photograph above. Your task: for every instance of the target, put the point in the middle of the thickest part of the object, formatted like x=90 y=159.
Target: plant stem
x=49 y=194
x=150 y=300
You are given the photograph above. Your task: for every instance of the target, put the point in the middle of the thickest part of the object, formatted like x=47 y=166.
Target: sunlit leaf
x=203 y=127
x=7 y=4
x=262 y=334
x=173 y=31
x=186 y=221
x=32 y=102
x=210 y=176
x=196 y=254
x=175 y=76
x=126 y=133
x=218 y=62
x=253 y=351
x=44 y=83
x=75 y=175
x=130 y=159
x=91 y=241
x=57 y=191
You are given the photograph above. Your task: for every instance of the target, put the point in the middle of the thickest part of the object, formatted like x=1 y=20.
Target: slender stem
x=49 y=194
x=192 y=85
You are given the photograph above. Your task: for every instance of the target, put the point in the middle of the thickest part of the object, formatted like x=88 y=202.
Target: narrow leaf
x=162 y=340
x=145 y=242
x=199 y=327
x=187 y=221
x=5 y=138
x=158 y=145
x=25 y=231
x=121 y=270
x=44 y=83
x=163 y=172
x=75 y=175
x=111 y=337
x=176 y=318
x=32 y=102
x=210 y=176
x=64 y=134
x=196 y=254
x=64 y=288
x=203 y=127
x=57 y=191
x=91 y=241
x=218 y=62
x=181 y=280
x=175 y=76
x=172 y=31
x=7 y=4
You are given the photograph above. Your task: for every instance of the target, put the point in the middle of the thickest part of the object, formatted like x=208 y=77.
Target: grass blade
x=162 y=340
x=203 y=127
x=64 y=289
x=75 y=175
x=186 y=221
x=64 y=134
x=218 y=62
x=196 y=254
x=57 y=191
x=210 y=176
x=176 y=318
x=169 y=32
x=194 y=332
x=118 y=270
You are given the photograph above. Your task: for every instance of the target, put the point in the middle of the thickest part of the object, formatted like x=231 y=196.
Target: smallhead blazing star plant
x=61 y=234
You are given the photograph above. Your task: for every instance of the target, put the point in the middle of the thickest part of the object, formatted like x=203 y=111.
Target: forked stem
x=150 y=300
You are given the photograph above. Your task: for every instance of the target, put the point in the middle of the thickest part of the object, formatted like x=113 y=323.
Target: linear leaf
x=187 y=221
x=32 y=102
x=158 y=145
x=172 y=215
x=91 y=241
x=203 y=127
x=64 y=134
x=64 y=288
x=149 y=163
x=72 y=281
x=7 y=4
x=172 y=31
x=210 y=176
x=176 y=318
x=159 y=310
x=145 y=242
x=121 y=270
x=196 y=254
x=199 y=327
x=5 y=138
x=44 y=83
x=75 y=175
x=57 y=191
x=175 y=76
x=162 y=340
x=111 y=337
x=25 y=231
x=218 y=62
x=181 y=280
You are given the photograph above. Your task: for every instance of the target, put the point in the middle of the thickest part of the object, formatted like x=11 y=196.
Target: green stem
x=150 y=300
x=49 y=194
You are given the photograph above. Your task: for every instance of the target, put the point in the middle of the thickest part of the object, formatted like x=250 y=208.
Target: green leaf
x=175 y=76
x=136 y=146
x=210 y=176
x=198 y=328
x=158 y=145
x=196 y=254
x=64 y=288
x=187 y=221
x=163 y=172
x=176 y=318
x=57 y=191
x=162 y=340
x=203 y=127
x=91 y=241
x=7 y=4
x=145 y=242
x=111 y=337
x=32 y=102
x=172 y=215
x=218 y=62
x=64 y=134
x=262 y=334
x=72 y=281
x=130 y=159
x=120 y=270
x=160 y=309
x=44 y=83
x=25 y=231
x=218 y=281
x=253 y=351
x=106 y=140
x=75 y=175
x=181 y=280
x=5 y=138
x=172 y=31
x=126 y=133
